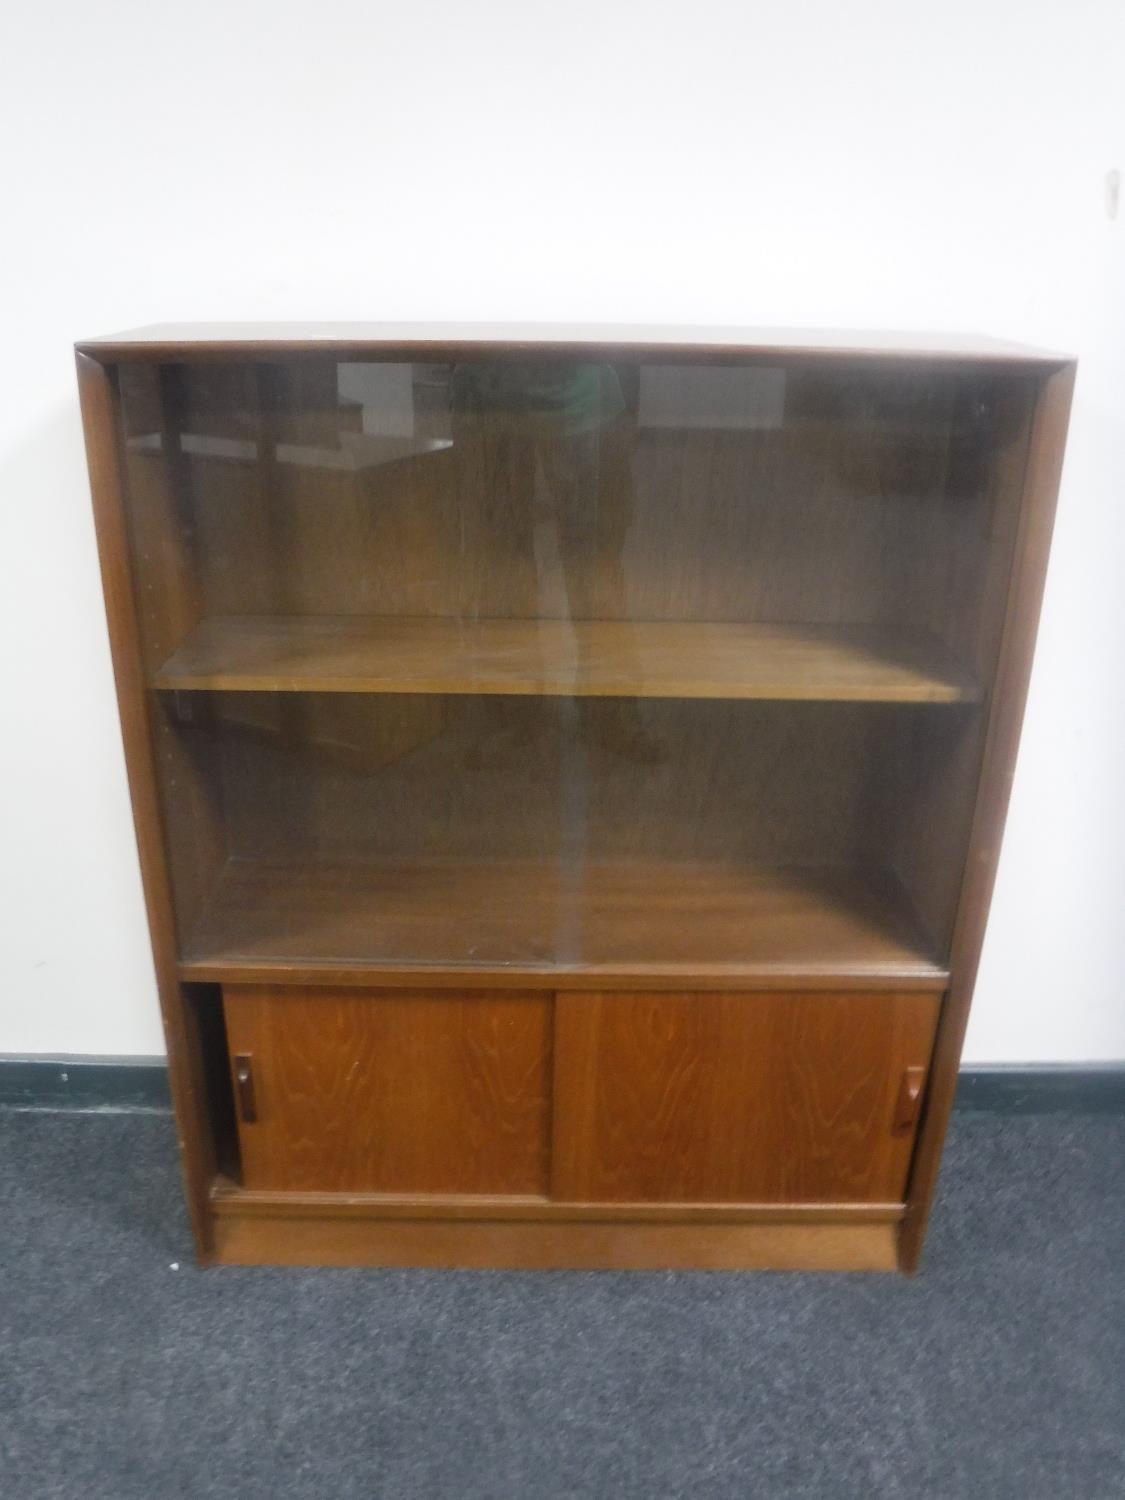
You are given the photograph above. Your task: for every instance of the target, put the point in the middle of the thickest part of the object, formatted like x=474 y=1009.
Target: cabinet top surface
x=201 y=340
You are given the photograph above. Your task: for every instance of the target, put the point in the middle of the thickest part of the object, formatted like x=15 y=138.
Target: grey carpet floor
x=999 y=1371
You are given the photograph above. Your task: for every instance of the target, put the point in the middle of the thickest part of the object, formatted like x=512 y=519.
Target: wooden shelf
x=594 y=658
x=543 y=922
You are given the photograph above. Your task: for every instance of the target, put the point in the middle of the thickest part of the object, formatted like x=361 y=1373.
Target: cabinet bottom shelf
x=550 y=923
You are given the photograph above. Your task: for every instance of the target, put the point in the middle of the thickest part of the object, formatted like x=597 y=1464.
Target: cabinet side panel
x=1025 y=595
x=99 y=416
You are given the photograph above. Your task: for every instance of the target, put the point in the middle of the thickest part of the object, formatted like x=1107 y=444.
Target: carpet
x=998 y=1372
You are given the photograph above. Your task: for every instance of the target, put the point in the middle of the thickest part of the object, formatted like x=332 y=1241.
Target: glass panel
x=603 y=666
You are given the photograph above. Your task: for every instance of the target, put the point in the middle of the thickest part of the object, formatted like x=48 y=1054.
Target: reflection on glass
x=507 y=661
x=545 y=501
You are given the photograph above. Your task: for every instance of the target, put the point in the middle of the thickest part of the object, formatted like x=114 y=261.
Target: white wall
x=809 y=162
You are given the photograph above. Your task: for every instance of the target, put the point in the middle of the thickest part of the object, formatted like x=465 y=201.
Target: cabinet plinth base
x=259 y=1238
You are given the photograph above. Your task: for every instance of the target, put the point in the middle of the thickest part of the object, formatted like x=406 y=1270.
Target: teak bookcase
x=569 y=767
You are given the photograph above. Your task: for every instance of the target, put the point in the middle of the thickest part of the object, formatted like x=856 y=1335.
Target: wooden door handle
x=909 y=1101
x=244 y=1088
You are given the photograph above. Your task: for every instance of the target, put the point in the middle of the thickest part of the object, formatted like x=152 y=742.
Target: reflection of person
x=537 y=441
x=553 y=397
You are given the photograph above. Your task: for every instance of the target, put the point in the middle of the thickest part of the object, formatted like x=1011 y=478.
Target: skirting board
x=1042 y=1088
x=128 y=1083
x=119 y=1083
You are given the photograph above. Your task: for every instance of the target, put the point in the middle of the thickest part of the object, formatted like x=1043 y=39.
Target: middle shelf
x=567 y=658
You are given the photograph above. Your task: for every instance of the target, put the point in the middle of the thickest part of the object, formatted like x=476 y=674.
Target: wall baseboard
x=1042 y=1088
x=128 y=1083
x=124 y=1083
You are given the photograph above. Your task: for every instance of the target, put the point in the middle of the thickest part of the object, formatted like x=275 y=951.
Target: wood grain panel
x=735 y=1097
x=394 y=1091
x=414 y=777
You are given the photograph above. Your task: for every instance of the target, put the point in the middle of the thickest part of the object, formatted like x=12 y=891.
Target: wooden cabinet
x=569 y=768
